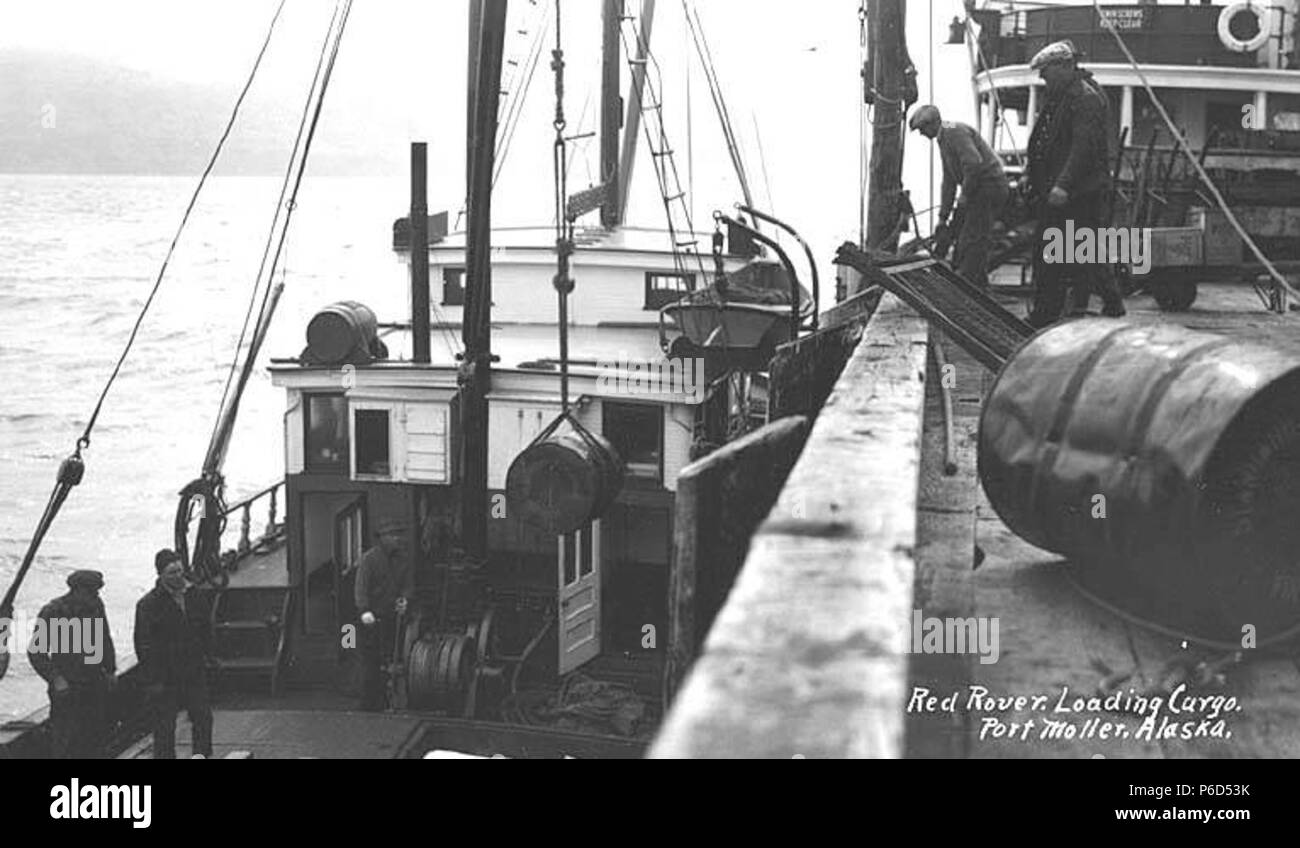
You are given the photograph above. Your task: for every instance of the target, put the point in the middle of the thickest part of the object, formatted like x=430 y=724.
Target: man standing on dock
x=72 y=650
x=384 y=583
x=968 y=163
x=171 y=644
x=1069 y=181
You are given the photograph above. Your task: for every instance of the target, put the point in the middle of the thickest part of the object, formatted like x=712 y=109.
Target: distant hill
x=73 y=115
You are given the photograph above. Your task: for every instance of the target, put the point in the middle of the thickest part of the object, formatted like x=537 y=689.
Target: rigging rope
x=665 y=163
x=205 y=564
x=512 y=100
x=84 y=441
x=519 y=96
x=72 y=469
x=270 y=236
x=719 y=102
x=562 y=281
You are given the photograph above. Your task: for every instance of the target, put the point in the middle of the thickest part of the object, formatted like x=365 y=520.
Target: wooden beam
x=808 y=656
x=886 y=22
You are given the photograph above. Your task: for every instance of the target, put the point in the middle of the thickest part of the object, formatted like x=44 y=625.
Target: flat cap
x=1057 y=51
x=393 y=525
x=87 y=578
x=164 y=558
x=924 y=115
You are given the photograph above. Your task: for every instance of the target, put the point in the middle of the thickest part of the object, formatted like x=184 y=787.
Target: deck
x=279 y=733
x=1052 y=637
x=837 y=678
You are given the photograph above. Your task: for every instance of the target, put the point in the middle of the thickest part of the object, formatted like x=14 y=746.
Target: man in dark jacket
x=72 y=650
x=171 y=645
x=1069 y=178
x=384 y=583
x=971 y=165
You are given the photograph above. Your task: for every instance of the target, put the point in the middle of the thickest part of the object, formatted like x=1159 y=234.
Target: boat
x=1001 y=542
x=1225 y=74
x=535 y=471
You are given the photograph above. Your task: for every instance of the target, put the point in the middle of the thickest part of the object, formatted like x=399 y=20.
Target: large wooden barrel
x=564 y=482
x=1164 y=462
x=340 y=330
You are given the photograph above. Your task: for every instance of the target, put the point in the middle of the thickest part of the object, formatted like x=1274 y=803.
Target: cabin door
x=349 y=543
x=579 y=577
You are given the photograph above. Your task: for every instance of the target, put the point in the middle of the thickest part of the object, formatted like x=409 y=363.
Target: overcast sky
x=789 y=71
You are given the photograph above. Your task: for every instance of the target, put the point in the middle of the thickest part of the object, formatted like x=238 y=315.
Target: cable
x=719 y=101
x=270 y=236
x=1171 y=632
x=216 y=448
x=84 y=441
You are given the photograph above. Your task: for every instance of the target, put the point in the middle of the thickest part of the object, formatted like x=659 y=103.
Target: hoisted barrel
x=343 y=332
x=564 y=481
x=1164 y=462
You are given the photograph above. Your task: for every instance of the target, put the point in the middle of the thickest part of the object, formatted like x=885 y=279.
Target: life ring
x=1231 y=41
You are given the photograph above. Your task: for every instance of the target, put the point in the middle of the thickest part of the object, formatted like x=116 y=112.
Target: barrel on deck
x=341 y=331
x=1164 y=462
x=564 y=482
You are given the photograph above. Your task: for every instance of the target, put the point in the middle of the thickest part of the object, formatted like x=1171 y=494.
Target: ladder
x=686 y=247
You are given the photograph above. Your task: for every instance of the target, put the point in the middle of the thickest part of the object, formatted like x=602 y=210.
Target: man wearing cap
x=968 y=163
x=172 y=647
x=1069 y=179
x=384 y=583
x=72 y=650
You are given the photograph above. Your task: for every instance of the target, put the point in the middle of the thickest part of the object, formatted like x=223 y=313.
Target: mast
x=633 y=122
x=611 y=113
x=420 y=252
x=487 y=46
x=887 y=36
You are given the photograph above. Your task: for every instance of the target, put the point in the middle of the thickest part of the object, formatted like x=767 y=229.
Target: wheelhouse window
x=453 y=286
x=637 y=432
x=373 y=451
x=662 y=289
x=325 y=448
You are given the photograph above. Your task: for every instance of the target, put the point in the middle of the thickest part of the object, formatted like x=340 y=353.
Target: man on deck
x=72 y=650
x=384 y=583
x=971 y=165
x=171 y=644
x=1069 y=180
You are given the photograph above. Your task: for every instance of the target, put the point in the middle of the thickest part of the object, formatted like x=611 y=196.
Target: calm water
x=77 y=258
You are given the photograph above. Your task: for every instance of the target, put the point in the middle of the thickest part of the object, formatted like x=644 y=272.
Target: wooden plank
x=721 y=501
x=808 y=656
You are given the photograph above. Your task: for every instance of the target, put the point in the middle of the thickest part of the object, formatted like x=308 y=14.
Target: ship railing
x=244 y=508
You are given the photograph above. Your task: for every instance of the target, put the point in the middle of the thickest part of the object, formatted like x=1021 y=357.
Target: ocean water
x=78 y=256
